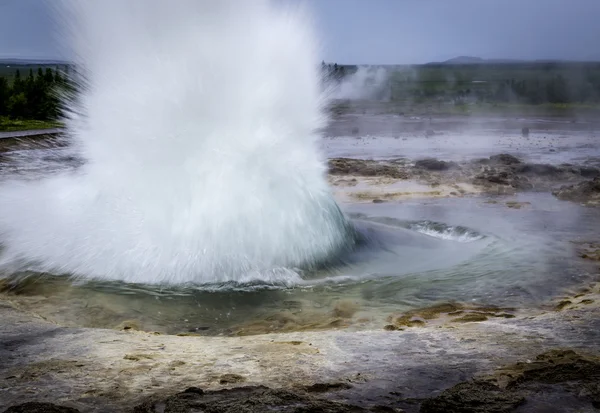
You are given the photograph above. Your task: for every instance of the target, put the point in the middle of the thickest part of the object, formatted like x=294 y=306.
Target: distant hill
x=463 y=60
x=473 y=60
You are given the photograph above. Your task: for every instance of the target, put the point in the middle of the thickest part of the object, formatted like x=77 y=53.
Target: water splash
x=197 y=126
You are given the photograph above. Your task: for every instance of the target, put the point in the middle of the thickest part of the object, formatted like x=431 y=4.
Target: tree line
x=34 y=96
x=335 y=72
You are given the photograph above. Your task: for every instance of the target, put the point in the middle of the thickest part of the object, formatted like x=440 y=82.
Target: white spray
x=367 y=83
x=202 y=164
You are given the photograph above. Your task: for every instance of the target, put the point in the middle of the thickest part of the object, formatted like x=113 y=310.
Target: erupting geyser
x=197 y=124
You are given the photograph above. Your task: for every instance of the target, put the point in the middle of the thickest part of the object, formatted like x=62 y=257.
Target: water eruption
x=197 y=122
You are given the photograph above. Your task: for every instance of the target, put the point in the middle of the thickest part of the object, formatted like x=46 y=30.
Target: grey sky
x=391 y=31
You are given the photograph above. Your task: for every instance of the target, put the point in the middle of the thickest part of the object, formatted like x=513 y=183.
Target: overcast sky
x=391 y=31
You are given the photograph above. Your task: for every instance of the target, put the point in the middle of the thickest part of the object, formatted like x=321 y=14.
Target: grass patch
x=15 y=125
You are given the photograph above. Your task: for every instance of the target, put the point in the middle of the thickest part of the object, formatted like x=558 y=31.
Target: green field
x=12 y=125
x=558 y=85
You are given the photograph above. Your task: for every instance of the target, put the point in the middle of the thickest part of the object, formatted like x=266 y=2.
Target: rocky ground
x=500 y=174
x=451 y=357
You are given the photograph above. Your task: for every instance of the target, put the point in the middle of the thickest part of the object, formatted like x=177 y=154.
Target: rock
x=473 y=397
x=562 y=305
x=589 y=172
x=506 y=178
x=588 y=191
x=345 y=309
x=326 y=387
x=525 y=132
x=540 y=169
x=505 y=159
x=129 y=325
x=516 y=205
x=34 y=407
x=471 y=317
x=432 y=164
x=252 y=399
x=555 y=372
x=230 y=378
x=556 y=366
x=360 y=167
x=195 y=390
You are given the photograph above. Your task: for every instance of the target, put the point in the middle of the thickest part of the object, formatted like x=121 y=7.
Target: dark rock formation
x=473 y=397
x=34 y=407
x=563 y=374
x=505 y=159
x=588 y=191
x=254 y=399
x=360 y=167
x=432 y=164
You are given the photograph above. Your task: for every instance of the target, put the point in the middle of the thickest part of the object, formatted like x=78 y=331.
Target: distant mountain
x=473 y=60
x=464 y=60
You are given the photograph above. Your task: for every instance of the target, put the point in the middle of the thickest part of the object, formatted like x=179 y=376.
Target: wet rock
x=589 y=172
x=505 y=159
x=555 y=366
x=507 y=178
x=459 y=313
x=194 y=390
x=516 y=205
x=559 y=371
x=34 y=407
x=589 y=251
x=540 y=169
x=231 y=378
x=257 y=399
x=563 y=304
x=502 y=177
x=360 y=167
x=129 y=325
x=432 y=164
x=473 y=397
x=588 y=191
x=471 y=317
x=345 y=309
x=326 y=387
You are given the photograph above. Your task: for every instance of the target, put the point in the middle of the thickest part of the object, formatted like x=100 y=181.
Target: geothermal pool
x=418 y=253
